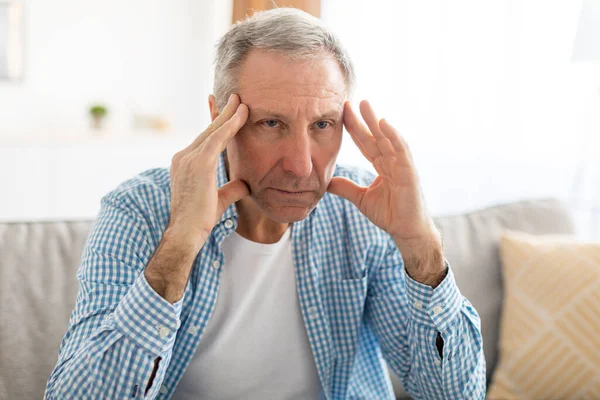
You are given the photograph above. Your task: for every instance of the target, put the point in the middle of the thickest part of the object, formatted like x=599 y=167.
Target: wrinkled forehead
x=271 y=81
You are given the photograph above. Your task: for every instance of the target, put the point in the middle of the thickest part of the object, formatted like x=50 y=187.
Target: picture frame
x=11 y=40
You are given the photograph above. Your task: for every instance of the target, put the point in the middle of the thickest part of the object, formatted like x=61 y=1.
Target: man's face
x=286 y=152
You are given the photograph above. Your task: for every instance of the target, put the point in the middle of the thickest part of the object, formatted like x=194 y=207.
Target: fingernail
x=231 y=97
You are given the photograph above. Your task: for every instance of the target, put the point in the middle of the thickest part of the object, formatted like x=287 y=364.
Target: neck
x=256 y=226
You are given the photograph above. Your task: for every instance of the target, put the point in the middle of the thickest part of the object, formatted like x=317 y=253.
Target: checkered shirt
x=358 y=305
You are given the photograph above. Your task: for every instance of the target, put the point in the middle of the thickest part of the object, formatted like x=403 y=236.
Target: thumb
x=347 y=189
x=230 y=193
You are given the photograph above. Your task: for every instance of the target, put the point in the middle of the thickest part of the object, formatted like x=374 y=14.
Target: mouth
x=291 y=199
x=301 y=195
x=292 y=193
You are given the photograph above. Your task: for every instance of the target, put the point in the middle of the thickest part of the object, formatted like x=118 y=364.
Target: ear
x=214 y=110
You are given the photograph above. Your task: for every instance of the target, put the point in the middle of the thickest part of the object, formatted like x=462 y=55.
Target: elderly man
x=257 y=268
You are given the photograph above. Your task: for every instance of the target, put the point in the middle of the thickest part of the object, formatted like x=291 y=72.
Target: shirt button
x=229 y=224
x=438 y=363
x=312 y=312
x=193 y=330
x=163 y=331
x=216 y=264
x=437 y=310
x=418 y=305
x=163 y=389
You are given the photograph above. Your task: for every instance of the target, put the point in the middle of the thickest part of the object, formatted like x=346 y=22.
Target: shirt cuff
x=147 y=319
x=434 y=307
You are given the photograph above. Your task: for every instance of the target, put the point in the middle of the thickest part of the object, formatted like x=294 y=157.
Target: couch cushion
x=38 y=262
x=549 y=345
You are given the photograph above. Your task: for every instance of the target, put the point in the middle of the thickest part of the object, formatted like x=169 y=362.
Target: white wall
x=134 y=55
x=484 y=92
x=144 y=56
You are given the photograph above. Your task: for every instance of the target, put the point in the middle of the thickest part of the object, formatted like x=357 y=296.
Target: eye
x=323 y=124
x=271 y=123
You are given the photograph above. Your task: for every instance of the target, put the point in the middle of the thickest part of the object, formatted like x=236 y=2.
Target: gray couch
x=38 y=261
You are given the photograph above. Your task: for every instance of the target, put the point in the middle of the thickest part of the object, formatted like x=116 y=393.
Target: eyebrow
x=261 y=111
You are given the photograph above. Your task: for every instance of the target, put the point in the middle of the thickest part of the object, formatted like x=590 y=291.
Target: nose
x=296 y=152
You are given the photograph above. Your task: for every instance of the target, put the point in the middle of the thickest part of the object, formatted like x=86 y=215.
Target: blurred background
x=499 y=100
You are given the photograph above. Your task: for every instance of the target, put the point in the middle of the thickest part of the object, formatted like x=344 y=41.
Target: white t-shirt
x=255 y=345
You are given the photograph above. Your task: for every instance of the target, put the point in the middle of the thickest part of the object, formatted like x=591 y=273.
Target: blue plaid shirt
x=358 y=304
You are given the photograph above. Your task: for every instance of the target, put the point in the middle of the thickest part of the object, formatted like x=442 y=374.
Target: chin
x=288 y=215
x=286 y=211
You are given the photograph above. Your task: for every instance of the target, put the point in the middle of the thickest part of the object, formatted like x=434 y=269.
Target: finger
x=347 y=189
x=396 y=140
x=371 y=119
x=360 y=134
x=226 y=114
x=385 y=146
x=383 y=143
x=230 y=193
x=218 y=140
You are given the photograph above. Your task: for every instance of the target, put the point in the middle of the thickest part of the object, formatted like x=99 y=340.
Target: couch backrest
x=39 y=260
x=471 y=246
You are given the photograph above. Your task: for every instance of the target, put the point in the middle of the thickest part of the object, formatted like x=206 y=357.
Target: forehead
x=270 y=80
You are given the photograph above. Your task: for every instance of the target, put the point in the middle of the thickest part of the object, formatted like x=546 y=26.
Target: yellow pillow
x=550 y=327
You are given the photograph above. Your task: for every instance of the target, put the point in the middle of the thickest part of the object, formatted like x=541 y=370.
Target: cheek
x=326 y=154
x=247 y=157
x=334 y=145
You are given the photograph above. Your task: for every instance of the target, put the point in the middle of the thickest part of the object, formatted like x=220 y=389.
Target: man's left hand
x=394 y=201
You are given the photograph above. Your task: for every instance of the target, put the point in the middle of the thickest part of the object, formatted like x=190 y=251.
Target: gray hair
x=291 y=32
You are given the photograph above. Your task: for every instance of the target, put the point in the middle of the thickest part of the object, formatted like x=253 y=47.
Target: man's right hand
x=196 y=202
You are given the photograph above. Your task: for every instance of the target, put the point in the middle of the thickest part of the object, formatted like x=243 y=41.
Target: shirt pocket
x=346 y=302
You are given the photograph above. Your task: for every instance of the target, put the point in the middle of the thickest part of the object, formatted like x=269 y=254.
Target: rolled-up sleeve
x=147 y=319
x=407 y=317
x=120 y=325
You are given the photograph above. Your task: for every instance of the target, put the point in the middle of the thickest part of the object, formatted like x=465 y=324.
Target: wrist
x=424 y=259
x=169 y=268
x=430 y=276
x=186 y=240
x=170 y=290
x=425 y=246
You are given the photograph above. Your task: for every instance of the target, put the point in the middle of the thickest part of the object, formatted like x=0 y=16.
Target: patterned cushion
x=549 y=343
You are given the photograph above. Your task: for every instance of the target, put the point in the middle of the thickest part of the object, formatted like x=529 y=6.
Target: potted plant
x=98 y=113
